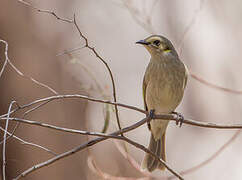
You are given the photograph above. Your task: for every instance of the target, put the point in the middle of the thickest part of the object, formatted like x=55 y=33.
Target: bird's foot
x=179 y=119
x=151 y=114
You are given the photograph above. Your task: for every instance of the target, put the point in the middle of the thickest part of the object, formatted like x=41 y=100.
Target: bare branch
x=95 y=141
x=28 y=143
x=140 y=17
x=45 y=11
x=93 y=166
x=7 y=60
x=172 y=117
x=104 y=136
x=107 y=67
x=6 y=57
x=219 y=151
x=51 y=98
x=131 y=160
x=214 y=86
x=86 y=45
x=4 y=140
x=190 y=25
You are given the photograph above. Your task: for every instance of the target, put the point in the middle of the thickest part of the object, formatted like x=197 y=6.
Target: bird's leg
x=179 y=119
x=151 y=116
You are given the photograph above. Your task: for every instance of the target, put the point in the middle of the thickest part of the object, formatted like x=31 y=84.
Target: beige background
x=211 y=49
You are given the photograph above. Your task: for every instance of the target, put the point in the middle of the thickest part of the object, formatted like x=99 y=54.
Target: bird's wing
x=186 y=76
x=144 y=98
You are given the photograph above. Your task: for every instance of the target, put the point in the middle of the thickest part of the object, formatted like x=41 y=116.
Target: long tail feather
x=158 y=148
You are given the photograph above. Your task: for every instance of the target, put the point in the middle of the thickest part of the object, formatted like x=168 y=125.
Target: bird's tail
x=158 y=148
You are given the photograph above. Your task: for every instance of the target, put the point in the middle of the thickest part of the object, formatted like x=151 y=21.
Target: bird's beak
x=143 y=42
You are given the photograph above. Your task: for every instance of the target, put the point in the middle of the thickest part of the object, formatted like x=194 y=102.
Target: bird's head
x=158 y=45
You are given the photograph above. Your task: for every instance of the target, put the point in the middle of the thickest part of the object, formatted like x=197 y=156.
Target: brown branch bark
x=91 y=143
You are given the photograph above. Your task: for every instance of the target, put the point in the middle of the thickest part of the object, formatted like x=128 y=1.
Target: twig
x=28 y=143
x=190 y=25
x=105 y=64
x=131 y=160
x=51 y=98
x=94 y=167
x=36 y=107
x=219 y=151
x=139 y=17
x=7 y=61
x=6 y=57
x=32 y=79
x=4 y=140
x=214 y=86
x=45 y=11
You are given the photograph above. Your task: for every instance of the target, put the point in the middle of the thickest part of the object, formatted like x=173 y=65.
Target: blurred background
x=207 y=35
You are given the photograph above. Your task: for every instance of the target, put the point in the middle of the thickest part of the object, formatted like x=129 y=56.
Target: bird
x=164 y=83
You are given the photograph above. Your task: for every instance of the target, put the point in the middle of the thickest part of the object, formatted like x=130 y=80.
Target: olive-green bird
x=163 y=88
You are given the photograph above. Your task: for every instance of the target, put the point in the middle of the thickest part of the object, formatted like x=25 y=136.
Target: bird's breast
x=165 y=86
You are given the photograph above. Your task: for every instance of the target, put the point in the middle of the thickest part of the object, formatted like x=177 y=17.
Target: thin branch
x=4 y=140
x=7 y=61
x=190 y=25
x=45 y=11
x=32 y=79
x=51 y=98
x=122 y=149
x=69 y=51
x=172 y=117
x=6 y=57
x=95 y=141
x=28 y=143
x=107 y=67
x=219 y=151
x=94 y=167
x=214 y=86
x=35 y=107
x=25 y=113
x=140 y=17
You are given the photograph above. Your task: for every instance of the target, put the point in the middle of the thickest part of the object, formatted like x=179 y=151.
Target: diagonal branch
x=7 y=61
x=105 y=64
x=27 y=143
x=86 y=45
x=97 y=140
x=4 y=141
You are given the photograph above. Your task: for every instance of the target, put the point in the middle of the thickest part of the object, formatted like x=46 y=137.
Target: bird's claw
x=179 y=119
x=151 y=114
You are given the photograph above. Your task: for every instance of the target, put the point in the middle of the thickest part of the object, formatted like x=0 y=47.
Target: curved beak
x=143 y=42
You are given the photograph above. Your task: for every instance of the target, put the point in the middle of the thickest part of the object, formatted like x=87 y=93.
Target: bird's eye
x=156 y=42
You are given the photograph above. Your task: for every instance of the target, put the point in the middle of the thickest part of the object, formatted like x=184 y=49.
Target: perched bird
x=163 y=88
